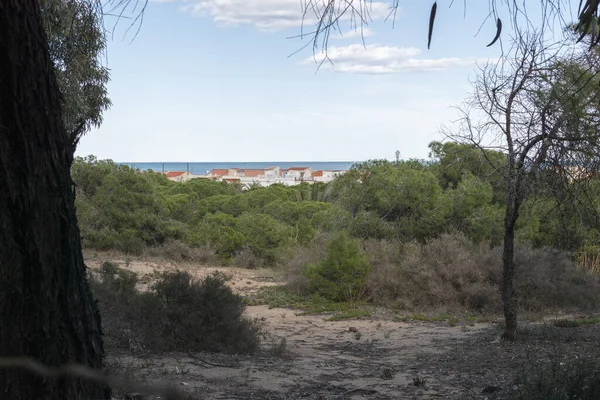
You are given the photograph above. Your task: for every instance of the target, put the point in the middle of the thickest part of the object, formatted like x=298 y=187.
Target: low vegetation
x=452 y=274
x=175 y=313
x=574 y=378
x=341 y=275
x=418 y=241
x=416 y=236
x=307 y=304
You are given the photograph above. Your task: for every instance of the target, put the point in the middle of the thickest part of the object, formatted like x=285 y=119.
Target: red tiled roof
x=298 y=168
x=253 y=173
x=174 y=174
x=219 y=172
x=317 y=173
x=230 y=180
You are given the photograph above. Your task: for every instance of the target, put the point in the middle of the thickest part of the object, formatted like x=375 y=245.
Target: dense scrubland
x=420 y=238
x=415 y=235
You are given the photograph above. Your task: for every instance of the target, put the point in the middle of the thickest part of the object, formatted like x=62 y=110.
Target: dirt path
x=322 y=360
x=355 y=359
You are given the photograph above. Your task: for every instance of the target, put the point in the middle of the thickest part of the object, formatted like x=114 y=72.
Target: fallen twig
x=360 y=390
x=208 y=362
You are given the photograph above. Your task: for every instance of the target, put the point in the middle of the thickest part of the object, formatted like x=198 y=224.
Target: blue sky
x=211 y=80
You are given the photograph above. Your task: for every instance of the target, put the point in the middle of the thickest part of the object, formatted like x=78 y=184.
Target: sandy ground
x=375 y=358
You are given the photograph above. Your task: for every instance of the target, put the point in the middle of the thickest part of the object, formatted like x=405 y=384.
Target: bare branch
x=329 y=13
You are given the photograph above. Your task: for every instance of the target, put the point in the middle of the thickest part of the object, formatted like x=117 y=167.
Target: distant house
x=252 y=173
x=179 y=176
x=217 y=173
x=234 y=172
x=298 y=173
x=268 y=176
x=272 y=173
x=325 y=176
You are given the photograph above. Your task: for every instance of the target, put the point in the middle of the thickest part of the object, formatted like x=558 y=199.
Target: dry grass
x=450 y=273
x=248 y=260
x=293 y=264
x=178 y=251
x=446 y=272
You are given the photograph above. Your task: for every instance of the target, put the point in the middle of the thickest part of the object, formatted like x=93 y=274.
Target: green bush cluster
x=131 y=211
x=176 y=313
x=342 y=274
x=118 y=279
x=456 y=190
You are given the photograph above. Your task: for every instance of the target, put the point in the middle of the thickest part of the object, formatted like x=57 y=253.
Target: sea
x=203 y=168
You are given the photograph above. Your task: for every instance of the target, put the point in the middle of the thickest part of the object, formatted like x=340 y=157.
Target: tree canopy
x=76 y=41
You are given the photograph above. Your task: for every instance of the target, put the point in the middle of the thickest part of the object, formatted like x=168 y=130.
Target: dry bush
x=179 y=251
x=446 y=272
x=548 y=278
x=383 y=252
x=247 y=259
x=177 y=314
x=450 y=272
x=298 y=257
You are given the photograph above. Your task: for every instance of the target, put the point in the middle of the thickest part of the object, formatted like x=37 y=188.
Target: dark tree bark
x=46 y=308
x=508 y=273
x=513 y=204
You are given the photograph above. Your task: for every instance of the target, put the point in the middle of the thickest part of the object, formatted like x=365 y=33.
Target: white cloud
x=354 y=33
x=377 y=59
x=275 y=14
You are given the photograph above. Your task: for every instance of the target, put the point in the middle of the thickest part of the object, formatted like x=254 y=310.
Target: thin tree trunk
x=508 y=275
x=46 y=308
x=513 y=203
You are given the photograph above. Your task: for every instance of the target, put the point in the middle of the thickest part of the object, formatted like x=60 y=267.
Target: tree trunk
x=46 y=308
x=513 y=203
x=508 y=275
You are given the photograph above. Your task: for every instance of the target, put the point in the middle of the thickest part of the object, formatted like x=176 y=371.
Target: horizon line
x=236 y=162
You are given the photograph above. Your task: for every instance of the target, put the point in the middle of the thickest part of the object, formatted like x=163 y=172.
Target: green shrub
x=369 y=225
x=265 y=236
x=341 y=275
x=296 y=259
x=120 y=279
x=127 y=242
x=220 y=232
x=473 y=210
x=204 y=315
x=178 y=313
x=332 y=219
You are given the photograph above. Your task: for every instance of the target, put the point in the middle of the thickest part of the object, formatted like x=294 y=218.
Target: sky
x=228 y=80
